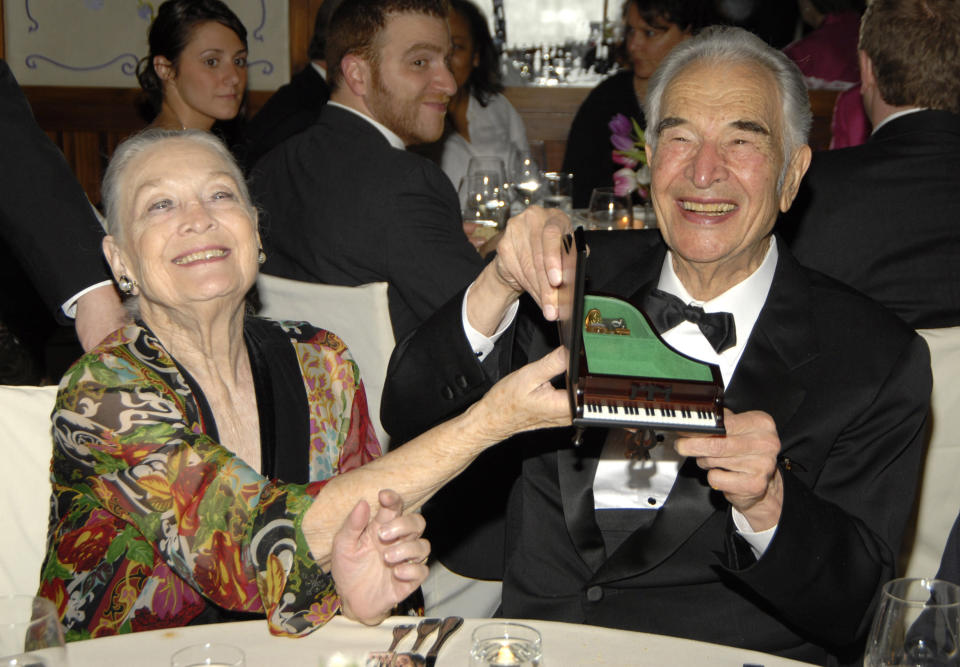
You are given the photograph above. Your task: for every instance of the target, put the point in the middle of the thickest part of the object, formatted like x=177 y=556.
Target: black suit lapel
x=783 y=339
x=690 y=503
x=576 y=467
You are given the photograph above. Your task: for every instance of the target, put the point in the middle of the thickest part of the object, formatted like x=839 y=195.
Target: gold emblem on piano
x=595 y=323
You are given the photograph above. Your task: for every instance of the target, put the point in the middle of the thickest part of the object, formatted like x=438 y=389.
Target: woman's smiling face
x=187 y=235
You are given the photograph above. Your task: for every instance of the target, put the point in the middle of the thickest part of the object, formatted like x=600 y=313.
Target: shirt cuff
x=758 y=541
x=480 y=344
x=70 y=305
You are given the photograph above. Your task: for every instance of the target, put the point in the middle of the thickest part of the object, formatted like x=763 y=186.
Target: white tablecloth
x=563 y=645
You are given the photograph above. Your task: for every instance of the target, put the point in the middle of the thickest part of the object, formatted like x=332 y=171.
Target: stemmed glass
x=526 y=176
x=30 y=632
x=608 y=210
x=916 y=624
x=484 y=206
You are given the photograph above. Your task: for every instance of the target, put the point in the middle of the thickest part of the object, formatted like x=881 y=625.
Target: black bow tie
x=667 y=311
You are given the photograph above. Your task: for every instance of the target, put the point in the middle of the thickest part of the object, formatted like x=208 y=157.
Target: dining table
x=345 y=643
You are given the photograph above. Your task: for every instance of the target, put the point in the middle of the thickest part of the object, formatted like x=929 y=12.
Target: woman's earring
x=261 y=256
x=125 y=284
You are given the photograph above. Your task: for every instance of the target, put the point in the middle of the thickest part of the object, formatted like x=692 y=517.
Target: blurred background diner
x=480 y=120
x=195 y=74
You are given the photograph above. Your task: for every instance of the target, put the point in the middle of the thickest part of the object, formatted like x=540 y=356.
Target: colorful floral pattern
x=151 y=518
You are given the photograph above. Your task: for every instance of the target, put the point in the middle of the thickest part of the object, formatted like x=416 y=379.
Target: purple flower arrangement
x=628 y=142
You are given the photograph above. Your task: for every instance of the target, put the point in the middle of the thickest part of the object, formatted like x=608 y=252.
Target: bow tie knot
x=667 y=311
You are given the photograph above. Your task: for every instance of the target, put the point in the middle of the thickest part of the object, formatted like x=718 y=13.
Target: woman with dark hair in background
x=480 y=120
x=196 y=72
x=651 y=29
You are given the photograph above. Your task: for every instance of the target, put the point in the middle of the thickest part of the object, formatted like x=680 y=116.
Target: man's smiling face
x=715 y=170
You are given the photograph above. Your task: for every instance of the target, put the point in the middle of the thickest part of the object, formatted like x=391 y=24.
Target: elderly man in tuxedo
x=776 y=537
x=876 y=216
x=344 y=202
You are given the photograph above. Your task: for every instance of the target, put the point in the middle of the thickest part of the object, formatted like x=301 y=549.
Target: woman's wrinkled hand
x=526 y=400
x=378 y=562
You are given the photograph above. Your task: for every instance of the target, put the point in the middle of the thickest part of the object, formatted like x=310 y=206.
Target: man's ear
x=867 y=75
x=164 y=68
x=799 y=163
x=356 y=74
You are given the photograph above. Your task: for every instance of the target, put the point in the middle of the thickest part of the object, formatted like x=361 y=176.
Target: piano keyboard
x=675 y=417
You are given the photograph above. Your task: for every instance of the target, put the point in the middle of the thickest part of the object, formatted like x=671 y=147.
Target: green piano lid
x=641 y=353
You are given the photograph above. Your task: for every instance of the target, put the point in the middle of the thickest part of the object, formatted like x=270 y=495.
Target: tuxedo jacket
x=950 y=562
x=342 y=206
x=877 y=217
x=289 y=111
x=848 y=387
x=45 y=217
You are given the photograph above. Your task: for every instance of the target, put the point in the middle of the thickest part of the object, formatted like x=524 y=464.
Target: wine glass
x=917 y=624
x=525 y=177
x=558 y=191
x=608 y=210
x=484 y=206
x=30 y=632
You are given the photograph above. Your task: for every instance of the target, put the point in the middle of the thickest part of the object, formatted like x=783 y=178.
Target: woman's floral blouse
x=151 y=519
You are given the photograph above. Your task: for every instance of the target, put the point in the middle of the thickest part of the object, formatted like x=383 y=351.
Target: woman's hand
x=525 y=400
x=378 y=563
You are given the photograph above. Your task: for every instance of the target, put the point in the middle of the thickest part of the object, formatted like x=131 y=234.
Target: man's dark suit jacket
x=878 y=217
x=289 y=111
x=848 y=386
x=344 y=207
x=44 y=214
x=950 y=563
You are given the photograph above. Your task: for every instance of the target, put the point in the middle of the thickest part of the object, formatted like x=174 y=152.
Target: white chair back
x=939 y=497
x=358 y=315
x=26 y=446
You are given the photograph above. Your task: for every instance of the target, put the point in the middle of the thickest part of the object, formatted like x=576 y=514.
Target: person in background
x=827 y=56
x=775 y=537
x=195 y=75
x=48 y=224
x=651 y=29
x=209 y=465
x=296 y=105
x=480 y=121
x=345 y=202
x=873 y=215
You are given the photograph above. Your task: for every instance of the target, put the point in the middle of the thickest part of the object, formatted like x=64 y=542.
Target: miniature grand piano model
x=620 y=371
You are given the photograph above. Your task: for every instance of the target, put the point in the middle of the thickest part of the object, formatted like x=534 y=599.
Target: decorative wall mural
x=98 y=42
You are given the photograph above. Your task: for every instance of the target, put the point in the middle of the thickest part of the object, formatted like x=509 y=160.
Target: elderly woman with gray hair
x=208 y=464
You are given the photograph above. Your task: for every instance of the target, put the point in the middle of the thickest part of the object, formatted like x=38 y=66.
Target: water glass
x=916 y=624
x=505 y=643
x=608 y=210
x=212 y=655
x=558 y=191
x=30 y=633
